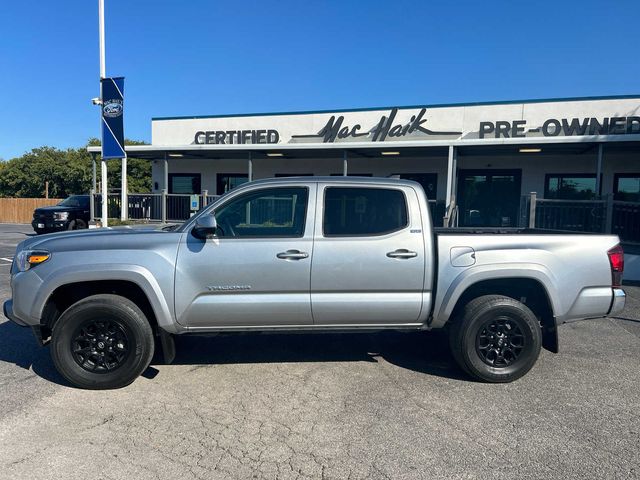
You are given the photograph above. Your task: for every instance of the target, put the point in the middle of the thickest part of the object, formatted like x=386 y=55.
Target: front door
x=368 y=256
x=488 y=198
x=256 y=271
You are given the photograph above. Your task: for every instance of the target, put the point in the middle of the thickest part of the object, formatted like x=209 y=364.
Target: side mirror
x=205 y=227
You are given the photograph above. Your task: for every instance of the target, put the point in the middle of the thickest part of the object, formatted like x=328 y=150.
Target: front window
x=571 y=187
x=269 y=212
x=363 y=211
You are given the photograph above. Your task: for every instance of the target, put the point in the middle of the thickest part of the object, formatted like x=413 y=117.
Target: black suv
x=70 y=214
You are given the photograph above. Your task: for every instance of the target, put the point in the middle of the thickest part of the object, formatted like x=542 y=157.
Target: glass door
x=488 y=198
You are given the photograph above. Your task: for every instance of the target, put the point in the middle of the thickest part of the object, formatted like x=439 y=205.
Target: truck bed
x=503 y=231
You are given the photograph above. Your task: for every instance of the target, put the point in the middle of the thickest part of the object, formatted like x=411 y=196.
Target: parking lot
x=384 y=405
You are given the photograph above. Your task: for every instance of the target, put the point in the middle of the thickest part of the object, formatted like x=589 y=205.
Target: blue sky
x=206 y=57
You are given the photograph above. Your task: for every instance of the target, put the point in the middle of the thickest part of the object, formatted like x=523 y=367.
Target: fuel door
x=463 y=256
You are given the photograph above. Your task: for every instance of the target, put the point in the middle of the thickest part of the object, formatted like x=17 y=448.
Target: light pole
x=103 y=68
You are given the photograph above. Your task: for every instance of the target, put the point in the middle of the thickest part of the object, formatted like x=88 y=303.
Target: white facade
x=447 y=123
x=486 y=138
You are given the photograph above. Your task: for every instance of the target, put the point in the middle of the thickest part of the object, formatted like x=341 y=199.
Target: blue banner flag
x=112 y=94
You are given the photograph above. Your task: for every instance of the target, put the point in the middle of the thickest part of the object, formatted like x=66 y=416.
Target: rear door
x=369 y=255
x=256 y=271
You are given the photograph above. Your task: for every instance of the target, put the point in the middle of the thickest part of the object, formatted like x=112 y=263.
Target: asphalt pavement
x=359 y=406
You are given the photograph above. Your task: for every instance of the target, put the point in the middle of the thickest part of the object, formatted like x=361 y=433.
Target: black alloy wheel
x=102 y=341
x=500 y=341
x=101 y=346
x=496 y=338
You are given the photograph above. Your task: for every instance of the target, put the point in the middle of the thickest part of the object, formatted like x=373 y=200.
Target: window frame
x=364 y=235
x=240 y=195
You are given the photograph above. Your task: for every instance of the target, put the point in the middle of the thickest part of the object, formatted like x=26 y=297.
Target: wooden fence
x=20 y=210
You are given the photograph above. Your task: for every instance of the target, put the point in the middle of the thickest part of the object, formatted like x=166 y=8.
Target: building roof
x=431 y=106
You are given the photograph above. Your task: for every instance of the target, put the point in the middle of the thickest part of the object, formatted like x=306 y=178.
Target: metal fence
x=151 y=207
x=572 y=215
x=599 y=216
x=625 y=218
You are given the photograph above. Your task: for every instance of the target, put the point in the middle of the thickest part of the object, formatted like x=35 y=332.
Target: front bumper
x=7 y=308
x=619 y=299
x=49 y=225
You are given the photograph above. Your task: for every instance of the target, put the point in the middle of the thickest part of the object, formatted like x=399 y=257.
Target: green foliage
x=68 y=172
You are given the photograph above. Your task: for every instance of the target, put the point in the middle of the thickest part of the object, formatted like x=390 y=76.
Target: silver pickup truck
x=313 y=254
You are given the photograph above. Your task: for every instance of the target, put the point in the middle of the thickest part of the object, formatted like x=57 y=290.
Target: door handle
x=402 y=253
x=292 y=255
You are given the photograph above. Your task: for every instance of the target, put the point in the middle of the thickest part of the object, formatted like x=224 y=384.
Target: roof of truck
x=332 y=179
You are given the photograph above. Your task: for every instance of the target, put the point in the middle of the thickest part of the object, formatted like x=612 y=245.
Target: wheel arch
x=531 y=287
x=60 y=291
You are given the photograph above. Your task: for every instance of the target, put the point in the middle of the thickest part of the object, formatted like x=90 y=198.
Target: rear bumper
x=7 y=308
x=619 y=299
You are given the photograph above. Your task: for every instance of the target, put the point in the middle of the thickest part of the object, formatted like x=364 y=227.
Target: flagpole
x=103 y=68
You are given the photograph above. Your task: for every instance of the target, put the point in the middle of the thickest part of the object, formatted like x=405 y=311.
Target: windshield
x=75 y=201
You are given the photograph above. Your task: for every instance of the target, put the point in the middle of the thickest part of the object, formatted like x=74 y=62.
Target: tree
x=67 y=171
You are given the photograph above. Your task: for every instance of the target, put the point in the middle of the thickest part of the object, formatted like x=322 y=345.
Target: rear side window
x=363 y=211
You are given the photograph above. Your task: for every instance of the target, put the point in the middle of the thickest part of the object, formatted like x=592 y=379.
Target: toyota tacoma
x=308 y=254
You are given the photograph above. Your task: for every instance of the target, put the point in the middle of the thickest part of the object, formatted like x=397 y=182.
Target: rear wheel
x=496 y=339
x=101 y=342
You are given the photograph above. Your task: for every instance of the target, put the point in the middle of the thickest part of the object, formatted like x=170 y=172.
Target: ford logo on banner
x=112 y=108
x=112 y=94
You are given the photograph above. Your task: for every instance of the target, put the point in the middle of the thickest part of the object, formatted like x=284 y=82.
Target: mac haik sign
x=335 y=129
x=424 y=124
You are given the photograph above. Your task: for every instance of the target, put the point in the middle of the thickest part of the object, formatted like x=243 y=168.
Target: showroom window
x=363 y=211
x=429 y=182
x=229 y=181
x=184 y=183
x=626 y=187
x=570 y=186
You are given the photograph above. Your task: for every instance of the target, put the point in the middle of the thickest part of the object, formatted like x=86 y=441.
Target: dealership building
x=484 y=159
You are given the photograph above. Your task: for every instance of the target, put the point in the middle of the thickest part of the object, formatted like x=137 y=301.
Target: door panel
x=369 y=278
x=246 y=280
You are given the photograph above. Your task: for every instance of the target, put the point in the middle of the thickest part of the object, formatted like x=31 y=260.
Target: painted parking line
x=6 y=259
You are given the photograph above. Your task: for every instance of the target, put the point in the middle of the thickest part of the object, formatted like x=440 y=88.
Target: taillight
x=616 y=260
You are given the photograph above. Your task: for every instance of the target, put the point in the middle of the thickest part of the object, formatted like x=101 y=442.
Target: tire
x=496 y=339
x=113 y=340
x=80 y=224
x=71 y=225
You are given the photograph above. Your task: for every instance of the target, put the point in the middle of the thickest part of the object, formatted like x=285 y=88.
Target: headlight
x=30 y=258
x=60 y=215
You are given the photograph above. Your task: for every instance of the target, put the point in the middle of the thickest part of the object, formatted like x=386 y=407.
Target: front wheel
x=496 y=339
x=102 y=342
x=80 y=224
